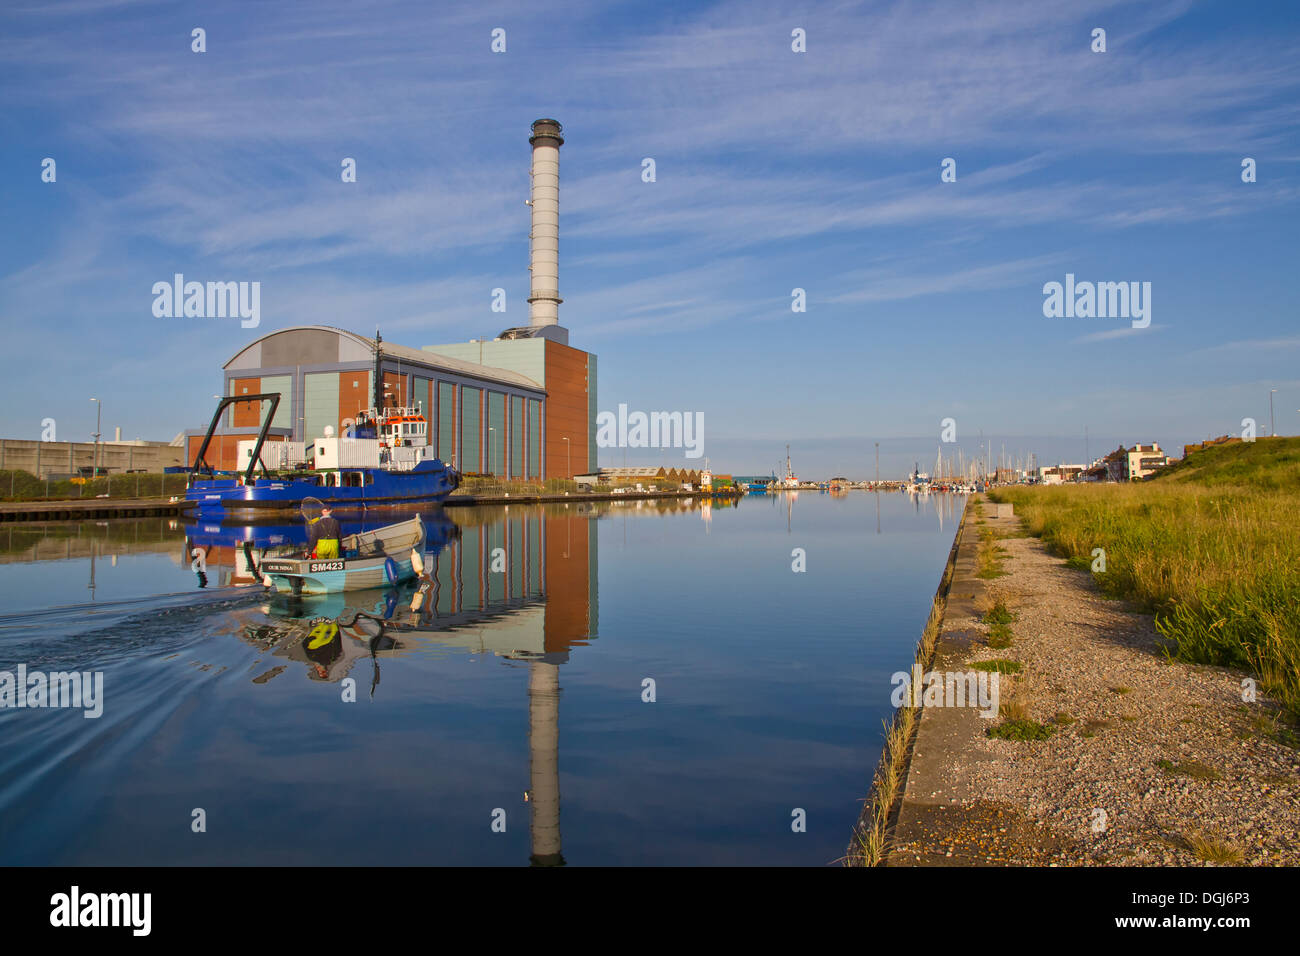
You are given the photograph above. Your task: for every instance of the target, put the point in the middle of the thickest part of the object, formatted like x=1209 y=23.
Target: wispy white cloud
x=892 y=284
x=1248 y=346
x=1124 y=332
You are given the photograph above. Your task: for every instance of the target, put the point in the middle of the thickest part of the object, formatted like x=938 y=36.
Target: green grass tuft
x=1210 y=850
x=1020 y=730
x=1188 y=768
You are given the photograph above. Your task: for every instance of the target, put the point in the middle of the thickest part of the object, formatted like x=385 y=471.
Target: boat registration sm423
x=326 y=566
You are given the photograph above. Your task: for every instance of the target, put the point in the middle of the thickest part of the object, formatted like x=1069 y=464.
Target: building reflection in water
x=516 y=582
x=535 y=571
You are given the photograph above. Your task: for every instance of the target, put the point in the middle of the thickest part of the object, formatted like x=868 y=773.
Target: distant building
x=1097 y=471
x=1128 y=464
x=482 y=418
x=1056 y=474
x=1142 y=461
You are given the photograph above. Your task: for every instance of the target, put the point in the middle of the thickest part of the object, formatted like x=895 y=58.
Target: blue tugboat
x=370 y=466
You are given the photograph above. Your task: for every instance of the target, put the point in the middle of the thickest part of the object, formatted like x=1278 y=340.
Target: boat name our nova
x=370 y=559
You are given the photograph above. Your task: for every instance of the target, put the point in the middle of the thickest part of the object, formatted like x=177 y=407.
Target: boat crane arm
x=200 y=460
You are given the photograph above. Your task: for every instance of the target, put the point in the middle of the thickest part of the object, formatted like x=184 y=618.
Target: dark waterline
x=520 y=696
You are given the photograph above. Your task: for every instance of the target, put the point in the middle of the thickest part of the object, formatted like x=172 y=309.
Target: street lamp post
x=491 y=449
x=877 y=463
x=568 y=449
x=99 y=408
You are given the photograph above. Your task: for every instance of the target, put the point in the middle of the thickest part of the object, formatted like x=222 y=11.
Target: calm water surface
x=515 y=696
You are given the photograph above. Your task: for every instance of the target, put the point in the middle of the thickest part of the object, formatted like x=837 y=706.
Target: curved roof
x=327 y=345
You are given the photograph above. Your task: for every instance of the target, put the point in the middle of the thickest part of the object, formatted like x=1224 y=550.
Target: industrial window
x=534 y=438
x=446 y=435
x=496 y=434
x=516 y=436
x=471 y=430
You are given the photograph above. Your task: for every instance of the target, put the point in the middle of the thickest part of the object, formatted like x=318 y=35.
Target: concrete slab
x=941 y=819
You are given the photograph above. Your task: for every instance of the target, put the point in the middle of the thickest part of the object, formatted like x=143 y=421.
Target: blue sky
x=774 y=170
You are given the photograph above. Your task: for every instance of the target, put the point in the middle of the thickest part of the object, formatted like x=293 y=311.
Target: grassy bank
x=482 y=485
x=1212 y=547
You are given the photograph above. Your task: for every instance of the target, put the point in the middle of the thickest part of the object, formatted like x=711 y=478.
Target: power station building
x=522 y=405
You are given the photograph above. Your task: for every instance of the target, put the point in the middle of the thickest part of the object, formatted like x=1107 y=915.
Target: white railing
x=282 y=456
x=404 y=458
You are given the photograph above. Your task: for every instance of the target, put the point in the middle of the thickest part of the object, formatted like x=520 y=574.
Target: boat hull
x=429 y=481
x=383 y=557
x=331 y=575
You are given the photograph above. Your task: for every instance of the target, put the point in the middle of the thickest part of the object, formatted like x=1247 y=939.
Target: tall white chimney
x=544 y=237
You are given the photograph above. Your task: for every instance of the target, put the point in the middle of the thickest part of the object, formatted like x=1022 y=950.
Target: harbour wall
x=870 y=840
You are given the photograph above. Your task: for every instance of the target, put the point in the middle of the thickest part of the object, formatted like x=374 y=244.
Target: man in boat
x=323 y=536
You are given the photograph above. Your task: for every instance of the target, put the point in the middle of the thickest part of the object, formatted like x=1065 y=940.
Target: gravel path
x=1147 y=757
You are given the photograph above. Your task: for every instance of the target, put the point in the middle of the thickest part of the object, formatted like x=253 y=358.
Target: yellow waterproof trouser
x=327 y=548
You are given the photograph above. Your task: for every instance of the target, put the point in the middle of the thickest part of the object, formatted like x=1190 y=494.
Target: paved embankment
x=1140 y=760
x=82 y=509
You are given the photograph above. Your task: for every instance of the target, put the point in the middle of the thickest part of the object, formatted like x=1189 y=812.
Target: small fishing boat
x=368 y=559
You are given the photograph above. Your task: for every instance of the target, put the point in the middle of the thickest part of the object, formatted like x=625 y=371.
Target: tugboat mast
x=378 y=398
